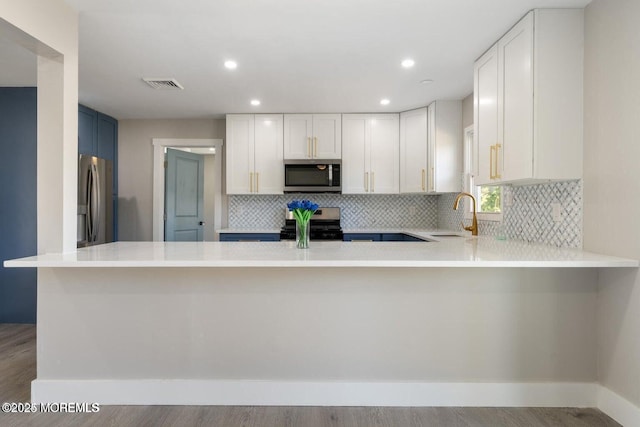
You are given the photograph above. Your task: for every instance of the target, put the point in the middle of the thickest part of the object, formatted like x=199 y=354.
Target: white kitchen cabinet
x=370 y=153
x=317 y=136
x=414 y=149
x=485 y=121
x=254 y=157
x=445 y=147
x=431 y=148
x=528 y=101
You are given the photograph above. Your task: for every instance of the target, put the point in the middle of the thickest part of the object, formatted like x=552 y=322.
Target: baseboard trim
x=278 y=393
x=618 y=408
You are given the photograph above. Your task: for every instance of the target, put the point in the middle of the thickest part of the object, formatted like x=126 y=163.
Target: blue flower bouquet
x=302 y=211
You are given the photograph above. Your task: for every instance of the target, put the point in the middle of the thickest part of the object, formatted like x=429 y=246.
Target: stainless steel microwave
x=312 y=176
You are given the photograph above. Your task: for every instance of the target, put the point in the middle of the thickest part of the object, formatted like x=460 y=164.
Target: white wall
x=467 y=111
x=50 y=29
x=612 y=183
x=135 y=167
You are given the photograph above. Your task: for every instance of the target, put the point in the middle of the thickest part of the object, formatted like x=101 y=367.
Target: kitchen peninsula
x=362 y=323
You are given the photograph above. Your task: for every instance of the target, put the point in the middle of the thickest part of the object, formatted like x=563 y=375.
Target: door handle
x=201 y=223
x=89 y=216
x=492 y=150
x=373 y=181
x=308 y=146
x=250 y=182
x=315 y=146
x=424 y=185
x=257 y=182
x=366 y=182
x=498 y=146
x=96 y=182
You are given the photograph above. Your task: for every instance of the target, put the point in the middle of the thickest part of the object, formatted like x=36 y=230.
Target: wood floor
x=18 y=368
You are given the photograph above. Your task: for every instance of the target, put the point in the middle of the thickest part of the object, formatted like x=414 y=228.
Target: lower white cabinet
x=370 y=153
x=431 y=148
x=254 y=154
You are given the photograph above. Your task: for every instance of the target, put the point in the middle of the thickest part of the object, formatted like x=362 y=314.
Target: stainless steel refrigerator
x=95 y=201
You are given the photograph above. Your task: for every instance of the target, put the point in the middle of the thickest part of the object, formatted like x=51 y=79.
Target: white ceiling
x=293 y=55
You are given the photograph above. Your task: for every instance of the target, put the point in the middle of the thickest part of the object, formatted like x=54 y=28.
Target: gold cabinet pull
x=373 y=181
x=366 y=181
x=424 y=175
x=498 y=147
x=308 y=146
x=492 y=150
x=257 y=182
x=250 y=182
x=315 y=146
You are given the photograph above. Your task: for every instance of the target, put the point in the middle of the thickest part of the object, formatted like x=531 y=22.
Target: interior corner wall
x=50 y=29
x=612 y=184
x=135 y=167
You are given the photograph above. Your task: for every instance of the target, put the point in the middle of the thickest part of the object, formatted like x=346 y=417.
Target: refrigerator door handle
x=88 y=197
x=96 y=202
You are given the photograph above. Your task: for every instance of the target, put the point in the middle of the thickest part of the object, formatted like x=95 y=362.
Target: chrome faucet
x=473 y=228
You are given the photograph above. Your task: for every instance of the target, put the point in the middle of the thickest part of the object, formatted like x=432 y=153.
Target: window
x=489 y=198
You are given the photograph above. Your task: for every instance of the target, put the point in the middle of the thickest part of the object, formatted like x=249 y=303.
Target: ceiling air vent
x=163 y=83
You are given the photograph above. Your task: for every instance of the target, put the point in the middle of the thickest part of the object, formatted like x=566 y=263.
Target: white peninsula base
x=313 y=336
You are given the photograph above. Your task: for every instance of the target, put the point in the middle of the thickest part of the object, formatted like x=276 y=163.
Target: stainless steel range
x=323 y=225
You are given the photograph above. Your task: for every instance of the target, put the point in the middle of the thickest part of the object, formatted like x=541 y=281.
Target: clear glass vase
x=302 y=235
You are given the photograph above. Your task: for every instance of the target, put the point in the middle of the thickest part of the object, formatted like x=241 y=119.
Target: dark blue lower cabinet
x=362 y=237
x=399 y=237
x=380 y=237
x=249 y=237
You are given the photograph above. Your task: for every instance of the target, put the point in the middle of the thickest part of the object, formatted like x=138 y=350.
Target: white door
x=485 y=100
x=384 y=154
x=413 y=151
x=269 y=168
x=298 y=133
x=327 y=136
x=515 y=96
x=355 y=168
x=240 y=153
x=184 y=196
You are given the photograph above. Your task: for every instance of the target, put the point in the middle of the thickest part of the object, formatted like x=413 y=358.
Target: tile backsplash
x=528 y=218
x=357 y=210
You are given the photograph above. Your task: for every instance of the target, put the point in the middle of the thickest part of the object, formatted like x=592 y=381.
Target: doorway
x=211 y=149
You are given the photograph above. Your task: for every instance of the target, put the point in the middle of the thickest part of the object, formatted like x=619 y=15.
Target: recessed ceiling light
x=426 y=81
x=255 y=102
x=232 y=65
x=408 y=63
x=384 y=101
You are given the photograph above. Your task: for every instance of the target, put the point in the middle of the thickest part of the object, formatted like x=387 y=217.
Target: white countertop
x=482 y=251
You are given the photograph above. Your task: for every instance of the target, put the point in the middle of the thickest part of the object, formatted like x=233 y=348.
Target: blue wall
x=18 y=238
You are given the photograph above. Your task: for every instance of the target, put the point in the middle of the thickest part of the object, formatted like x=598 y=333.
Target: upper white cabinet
x=309 y=136
x=414 y=149
x=431 y=148
x=528 y=101
x=370 y=153
x=254 y=154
